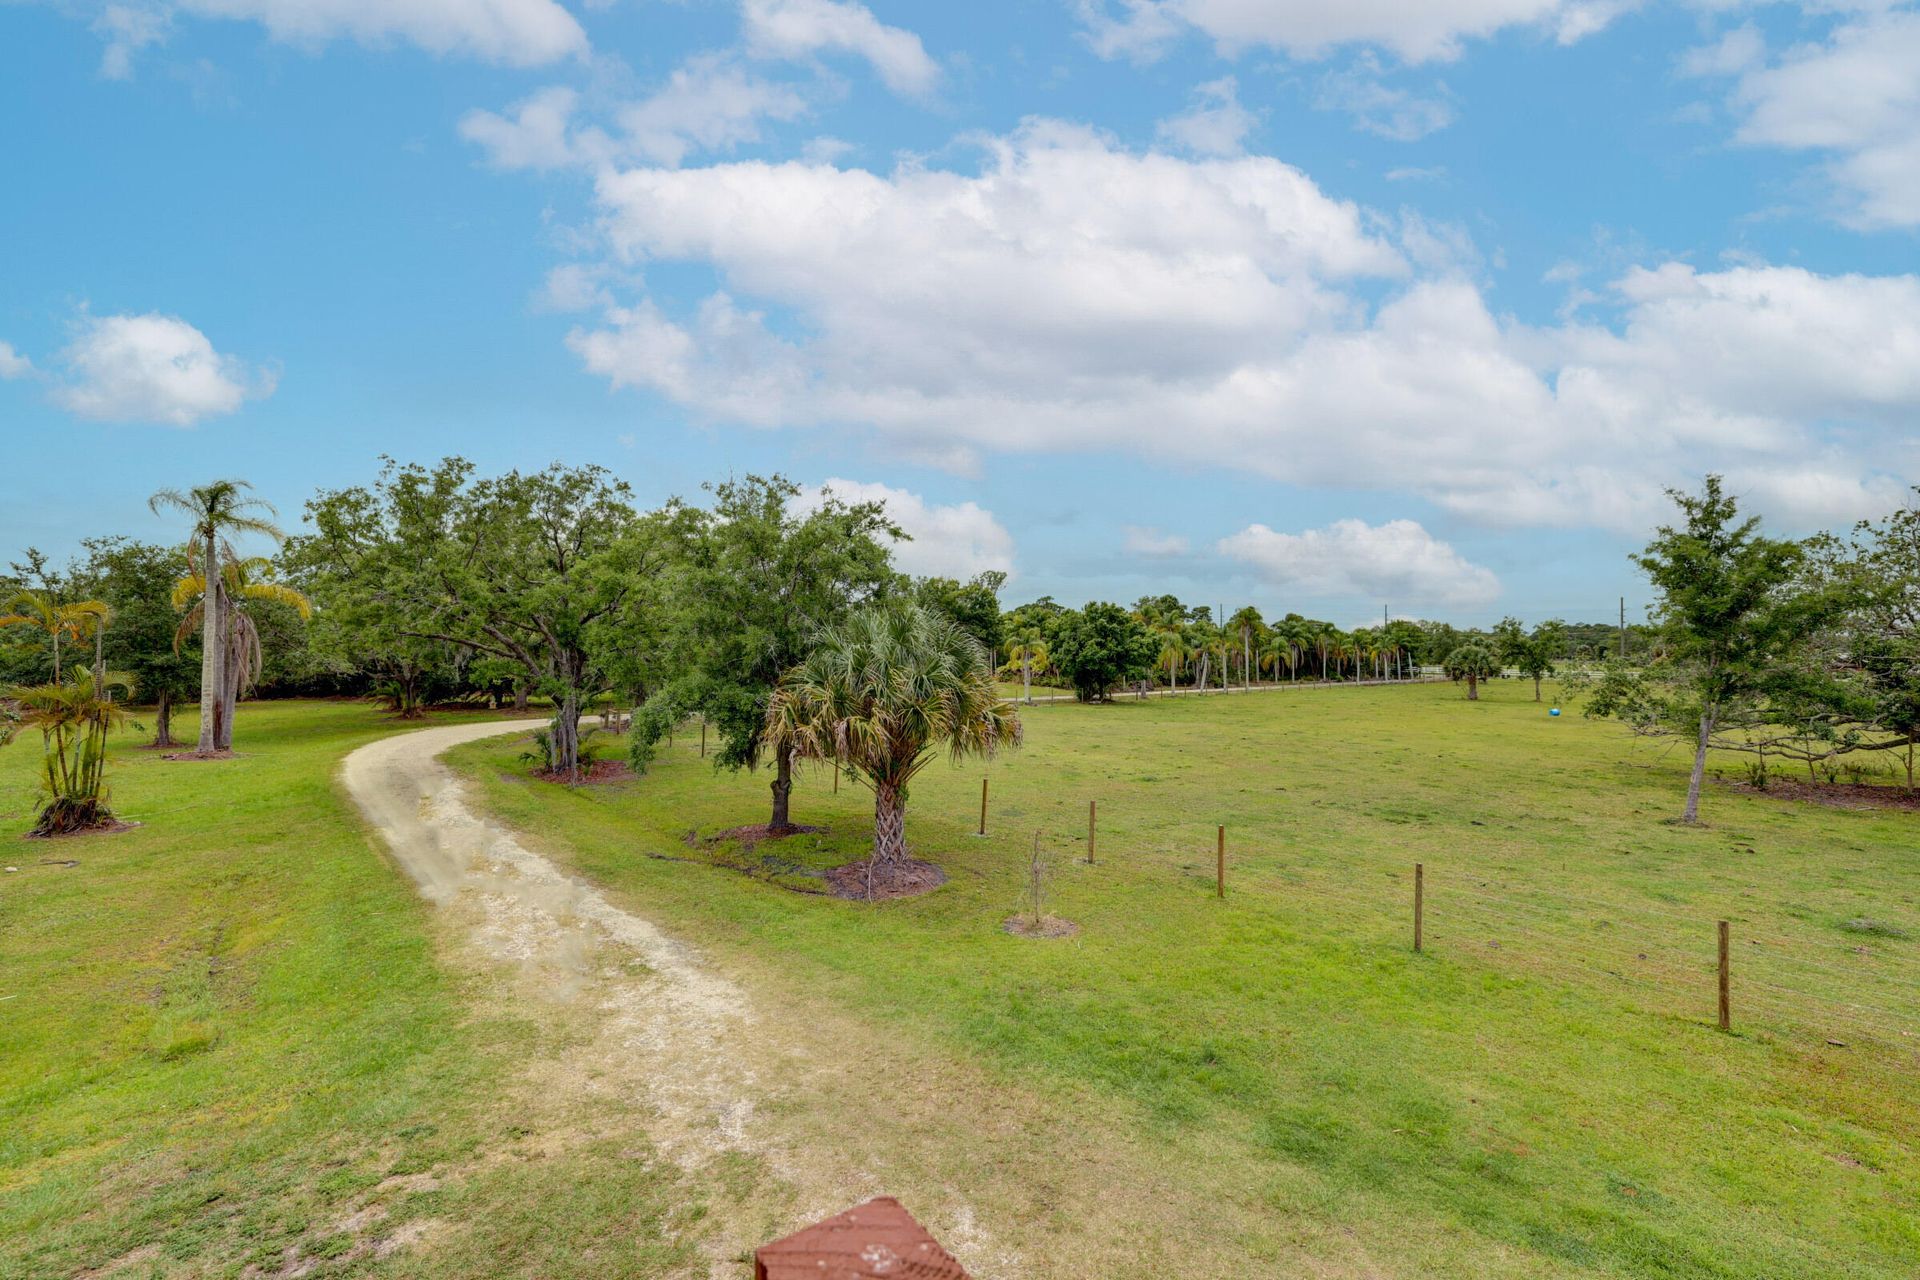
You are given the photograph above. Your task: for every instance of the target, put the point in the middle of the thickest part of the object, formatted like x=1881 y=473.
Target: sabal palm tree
x=74 y=717
x=1472 y=662
x=217 y=510
x=880 y=695
x=240 y=580
x=39 y=609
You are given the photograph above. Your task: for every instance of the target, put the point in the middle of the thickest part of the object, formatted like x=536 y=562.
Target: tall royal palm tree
x=1028 y=648
x=74 y=621
x=1279 y=651
x=217 y=510
x=880 y=695
x=240 y=581
x=1248 y=625
x=1172 y=634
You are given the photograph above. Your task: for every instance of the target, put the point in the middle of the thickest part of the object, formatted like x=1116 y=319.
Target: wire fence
x=1787 y=976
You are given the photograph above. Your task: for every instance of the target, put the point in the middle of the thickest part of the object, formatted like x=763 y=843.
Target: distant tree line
x=434 y=584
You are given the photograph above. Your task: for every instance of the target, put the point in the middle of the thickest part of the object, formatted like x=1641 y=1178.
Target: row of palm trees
x=76 y=710
x=1205 y=654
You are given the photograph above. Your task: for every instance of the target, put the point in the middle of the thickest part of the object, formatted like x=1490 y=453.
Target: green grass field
x=1543 y=1092
x=225 y=1041
x=235 y=1037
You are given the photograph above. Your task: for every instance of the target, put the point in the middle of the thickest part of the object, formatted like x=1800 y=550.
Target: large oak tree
x=551 y=571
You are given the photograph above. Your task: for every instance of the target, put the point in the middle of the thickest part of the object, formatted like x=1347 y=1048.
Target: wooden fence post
x=1419 y=904
x=703 y=737
x=1726 y=989
x=1091 y=804
x=983 y=806
x=1220 y=864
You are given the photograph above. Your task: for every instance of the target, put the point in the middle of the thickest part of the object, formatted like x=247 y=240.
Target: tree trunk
x=1473 y=687
x=1026 y=676
x=1692 y=813
x=1536 y=688
x=566 y=735
x=889 y=825
x=780 y=824
x=229 y=685
x=213 y=652
x=163 y=721
x=519 y=696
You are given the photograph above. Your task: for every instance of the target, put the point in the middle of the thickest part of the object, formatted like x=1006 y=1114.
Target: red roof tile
x=878 y=1240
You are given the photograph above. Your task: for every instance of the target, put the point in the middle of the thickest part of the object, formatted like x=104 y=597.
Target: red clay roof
x=878 y=1240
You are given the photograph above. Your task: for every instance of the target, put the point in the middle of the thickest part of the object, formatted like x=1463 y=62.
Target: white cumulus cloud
x=710 y=103
x=1414 y=30
x=1362 y=92
x=515 y=32
x=1070 y=295
x=1215 y=125
x=1854 y=98
x=12 y=363
x=1397 y=561
x=126 y=29
x=952 y=541
x=1144 y=541
x=801 y=28
x=152 y=368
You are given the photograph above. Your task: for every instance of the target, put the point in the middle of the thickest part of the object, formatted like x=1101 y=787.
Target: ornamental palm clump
x=74 y=717
x=881 y=695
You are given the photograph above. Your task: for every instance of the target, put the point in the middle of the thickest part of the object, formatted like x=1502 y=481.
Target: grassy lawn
x=1542 y=1093
x=226 y=1041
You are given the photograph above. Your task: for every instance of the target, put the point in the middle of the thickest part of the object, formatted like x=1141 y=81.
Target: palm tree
x=1472 y=662
x=217 y=510
x=879 y=696
x=75 y=621
x=1173 y=648
x=1248 y=622
x=1205 y=639
x=240 y=580
x=1278 y=651
x=1029 y=649
x=74 y=717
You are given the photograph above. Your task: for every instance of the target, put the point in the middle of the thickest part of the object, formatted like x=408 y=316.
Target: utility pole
x=1623 y=628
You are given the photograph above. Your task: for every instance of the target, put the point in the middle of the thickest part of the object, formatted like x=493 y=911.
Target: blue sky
x=1403 y=303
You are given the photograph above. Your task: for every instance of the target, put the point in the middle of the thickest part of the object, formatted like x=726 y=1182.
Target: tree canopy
x=758 y=580
x=1100 y=647
x=551 y=571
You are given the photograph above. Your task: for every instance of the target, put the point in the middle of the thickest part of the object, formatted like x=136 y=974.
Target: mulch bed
x=198 y=755
x=1835 y=795
x=596 y=774
x=907 y=879
x=1045 y=927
